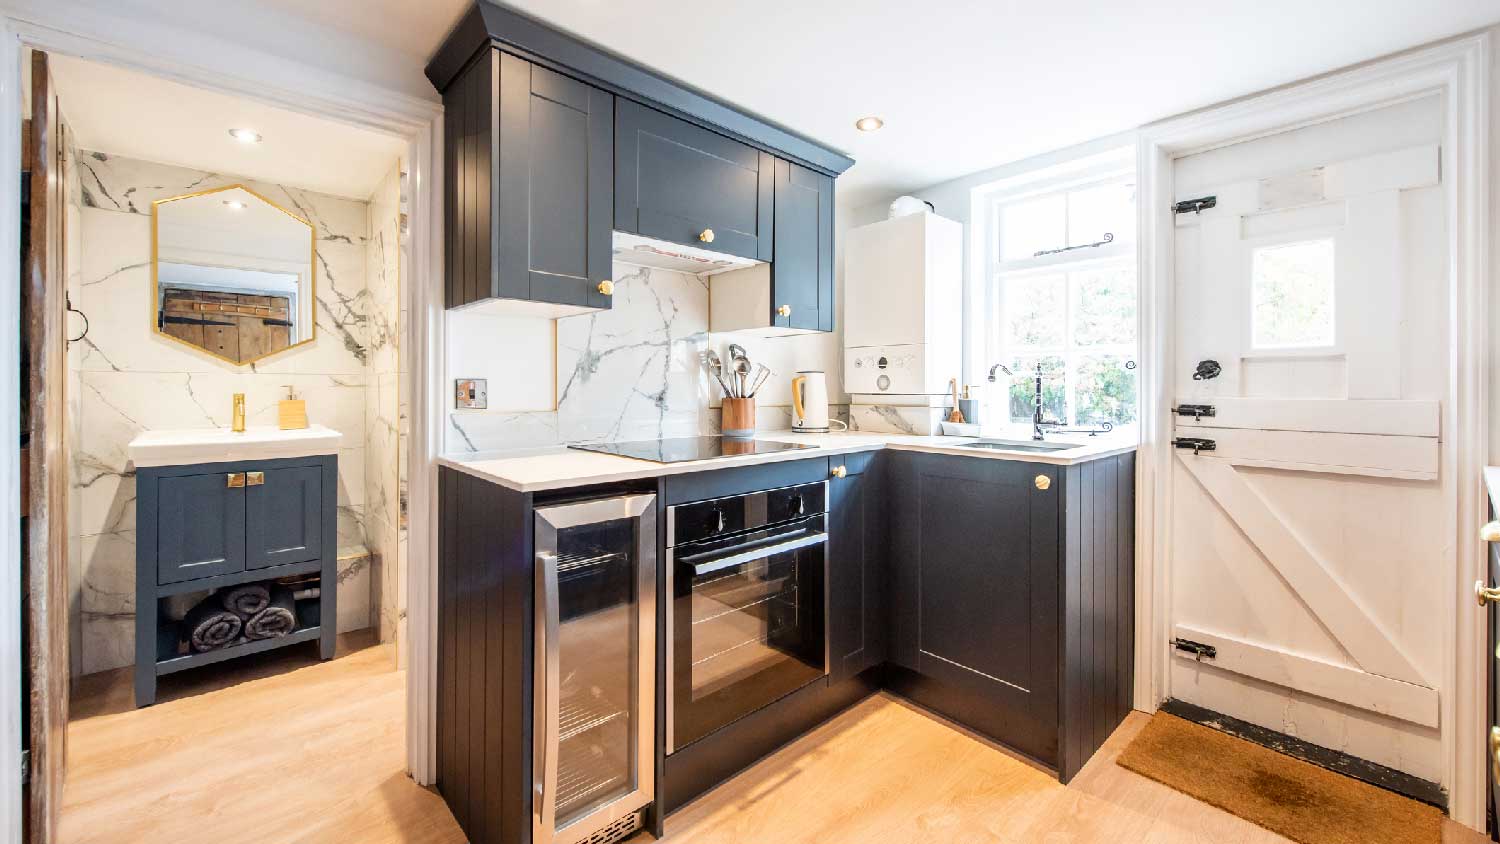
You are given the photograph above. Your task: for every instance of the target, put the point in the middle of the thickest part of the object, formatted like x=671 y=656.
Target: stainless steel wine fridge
x=595 y=669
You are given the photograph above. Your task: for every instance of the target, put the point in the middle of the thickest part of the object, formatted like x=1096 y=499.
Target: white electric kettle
x=810 y=403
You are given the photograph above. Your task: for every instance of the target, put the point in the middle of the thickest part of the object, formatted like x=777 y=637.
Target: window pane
x=1104 y=306
x=1031 y=226
x=1104 y=388
x=1022 y=388
x=1292 y=290
x=1094 y=212
x=1035 y=311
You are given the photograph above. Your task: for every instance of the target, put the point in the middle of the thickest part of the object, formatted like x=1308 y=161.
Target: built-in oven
x=745 y=614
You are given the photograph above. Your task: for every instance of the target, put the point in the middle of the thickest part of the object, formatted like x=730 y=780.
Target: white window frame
x=990 y=203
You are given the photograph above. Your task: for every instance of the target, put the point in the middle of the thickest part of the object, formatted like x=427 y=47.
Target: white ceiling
x=135 y=115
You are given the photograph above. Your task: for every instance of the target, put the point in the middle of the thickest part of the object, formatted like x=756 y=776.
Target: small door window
x=1291 y=288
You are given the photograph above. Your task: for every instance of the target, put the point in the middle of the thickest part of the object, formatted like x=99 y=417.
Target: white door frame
x=64 y=27
x=1459 y=70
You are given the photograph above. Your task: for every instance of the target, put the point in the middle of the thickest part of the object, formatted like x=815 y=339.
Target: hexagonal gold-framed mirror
x=233 y=274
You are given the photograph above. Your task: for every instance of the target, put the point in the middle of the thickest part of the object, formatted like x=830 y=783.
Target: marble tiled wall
x=632 y=372
x=131 y=380
x=384 y=522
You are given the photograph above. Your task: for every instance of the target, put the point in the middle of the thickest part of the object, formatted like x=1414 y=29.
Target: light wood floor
x=292 y=750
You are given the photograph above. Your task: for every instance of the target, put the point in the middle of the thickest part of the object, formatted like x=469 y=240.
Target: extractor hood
x=639 y=251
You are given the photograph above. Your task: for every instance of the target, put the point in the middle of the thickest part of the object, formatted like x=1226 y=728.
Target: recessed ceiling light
x=234 y=204
x=245 y=136
x=868 y=124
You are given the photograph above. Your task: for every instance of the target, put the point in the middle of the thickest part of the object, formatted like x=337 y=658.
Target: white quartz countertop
x=221 y=445
x=559 y=467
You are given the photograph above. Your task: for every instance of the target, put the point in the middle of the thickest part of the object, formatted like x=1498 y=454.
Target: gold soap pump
x=239 y=413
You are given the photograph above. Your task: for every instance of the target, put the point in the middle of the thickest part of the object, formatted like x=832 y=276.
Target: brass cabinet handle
x=1043 y=482
x=1484 y=594
x=1490 y=532
x=234 y=480
x=707 y=235
x=607 y=287
x=1495 y=752
x=255 y=478
x=784 y=310
x=840 y=472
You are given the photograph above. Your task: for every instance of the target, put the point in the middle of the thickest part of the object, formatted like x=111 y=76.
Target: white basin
x=221 y=445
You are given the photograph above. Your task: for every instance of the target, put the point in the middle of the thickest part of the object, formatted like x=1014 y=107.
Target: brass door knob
x=1485 y=595
x=1490 y=532
x=1043 y=482
x=784 y=311
x=255 y=478
x=707 y=235
x=234 y=480
x=607 y=287
x=840 y=472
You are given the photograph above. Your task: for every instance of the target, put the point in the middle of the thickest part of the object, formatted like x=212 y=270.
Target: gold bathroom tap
x=239 y=413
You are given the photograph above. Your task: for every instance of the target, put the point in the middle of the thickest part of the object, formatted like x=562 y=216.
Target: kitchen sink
x=1013 y=445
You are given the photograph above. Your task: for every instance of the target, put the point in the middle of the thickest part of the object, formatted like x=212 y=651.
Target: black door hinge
x=1195 y=206
x=1197 y=411
x=1197 y=444
x=1199 y=650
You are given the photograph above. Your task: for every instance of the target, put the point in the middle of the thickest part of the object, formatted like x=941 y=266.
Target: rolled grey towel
x=277 y=619
x=209 y=626
x=247 y=599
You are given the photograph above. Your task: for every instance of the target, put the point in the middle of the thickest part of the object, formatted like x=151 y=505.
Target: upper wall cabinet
x=679 y=182
x=528 y=161
x=551 y=143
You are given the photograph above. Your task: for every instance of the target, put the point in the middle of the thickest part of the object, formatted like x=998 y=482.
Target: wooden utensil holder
x=737 y=419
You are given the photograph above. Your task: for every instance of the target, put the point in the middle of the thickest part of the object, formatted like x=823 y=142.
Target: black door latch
x=1197 y=411
x=1199 y=650
x=1197 y=444
x=1195 y=206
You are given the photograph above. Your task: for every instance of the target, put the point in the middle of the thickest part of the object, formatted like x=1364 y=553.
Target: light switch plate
x=471 y=393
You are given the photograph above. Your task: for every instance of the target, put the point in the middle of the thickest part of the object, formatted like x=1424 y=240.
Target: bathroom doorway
x=214 y=246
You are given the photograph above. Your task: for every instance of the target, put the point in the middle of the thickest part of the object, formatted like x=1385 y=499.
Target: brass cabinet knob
x=1043 y=482
x=840 y=471
x=255 y=478
x=707 y=235
x=1485 y=595
x=1490 y=532
x=234 y=480
x=1495 y=752
x=607 y=287
x=784 y=311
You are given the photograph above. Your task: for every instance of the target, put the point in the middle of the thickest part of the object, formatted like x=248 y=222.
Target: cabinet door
x=676 y=181
x=530 y=164
x=802 y=267
x=200 y=527
x=856 y=567
x=975 y=578
x=284 y=517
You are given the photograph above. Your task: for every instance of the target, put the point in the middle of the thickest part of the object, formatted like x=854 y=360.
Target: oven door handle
x=732 y=560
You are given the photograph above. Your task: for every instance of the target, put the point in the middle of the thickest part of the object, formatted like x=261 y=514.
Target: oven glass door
x=747 y=624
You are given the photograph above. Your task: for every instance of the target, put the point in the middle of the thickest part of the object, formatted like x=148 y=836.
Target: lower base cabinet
x=996 y=593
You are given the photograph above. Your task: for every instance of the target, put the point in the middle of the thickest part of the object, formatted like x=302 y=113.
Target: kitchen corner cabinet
x=529 y=181
x=802 y=266
x=1012 y=589
x=856 y=565
x=215 y=525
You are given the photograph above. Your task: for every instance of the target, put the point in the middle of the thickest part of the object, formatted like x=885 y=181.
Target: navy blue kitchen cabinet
x=802 y=268
x=857 y=539
x=216 y=525
x=1012 y=598
x=680 y=182
x=528 y=183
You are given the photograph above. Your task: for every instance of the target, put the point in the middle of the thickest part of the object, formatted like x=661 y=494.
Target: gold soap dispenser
x=239 y=413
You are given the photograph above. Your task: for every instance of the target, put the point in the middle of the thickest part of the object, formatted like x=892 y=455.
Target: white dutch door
x=1307 y=547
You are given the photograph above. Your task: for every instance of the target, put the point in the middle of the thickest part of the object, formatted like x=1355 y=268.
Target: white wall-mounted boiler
x=903 y=310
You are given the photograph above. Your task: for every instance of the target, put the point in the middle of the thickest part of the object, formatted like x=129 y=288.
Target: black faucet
x=1039 y=423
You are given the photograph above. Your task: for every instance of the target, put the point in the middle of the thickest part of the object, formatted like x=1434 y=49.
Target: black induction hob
x=683 y=449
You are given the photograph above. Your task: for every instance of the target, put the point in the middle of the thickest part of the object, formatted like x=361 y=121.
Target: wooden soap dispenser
x=291 y=412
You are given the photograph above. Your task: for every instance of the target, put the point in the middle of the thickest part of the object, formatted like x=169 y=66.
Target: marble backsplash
x=633 y=372
x=131 y=380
